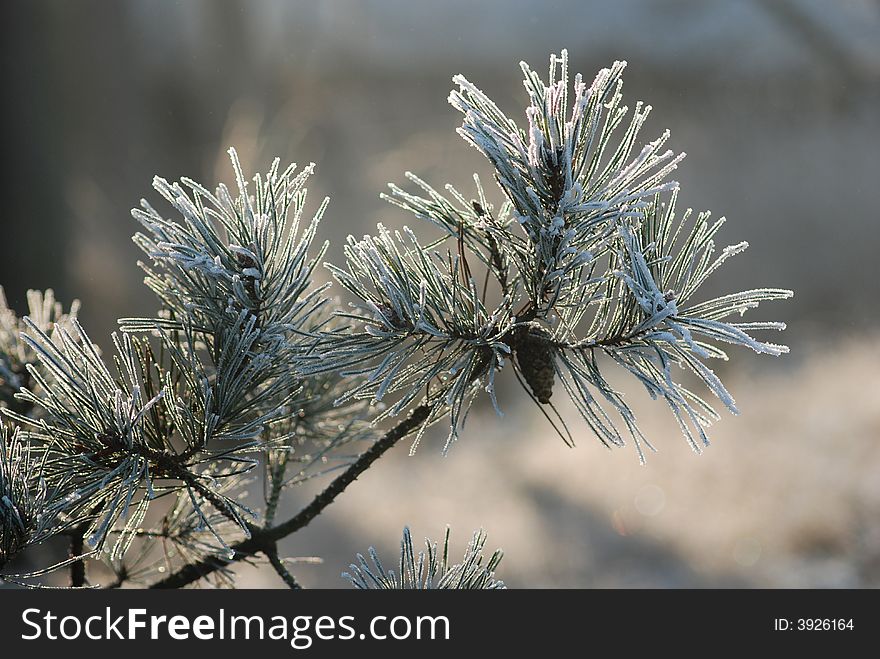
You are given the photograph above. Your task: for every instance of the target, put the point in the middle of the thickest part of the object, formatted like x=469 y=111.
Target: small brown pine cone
x=534 y=355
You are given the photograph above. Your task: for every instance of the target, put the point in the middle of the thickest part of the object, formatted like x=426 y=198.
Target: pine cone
x=534 y=355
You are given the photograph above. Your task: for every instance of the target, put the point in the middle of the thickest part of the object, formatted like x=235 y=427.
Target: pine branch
x=585 y=263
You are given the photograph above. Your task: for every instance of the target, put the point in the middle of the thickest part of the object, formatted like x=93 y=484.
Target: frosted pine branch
x=250 y=375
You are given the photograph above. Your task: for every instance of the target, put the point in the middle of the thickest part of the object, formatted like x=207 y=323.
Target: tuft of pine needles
x=590 y=264
x=429 y=569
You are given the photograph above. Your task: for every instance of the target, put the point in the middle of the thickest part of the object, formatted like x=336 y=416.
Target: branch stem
x=282 y=571
x=77 y=568
x=276 y=476
x=263 y=540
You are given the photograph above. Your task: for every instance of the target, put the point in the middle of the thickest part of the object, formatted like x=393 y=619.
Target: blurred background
x=775 y=102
